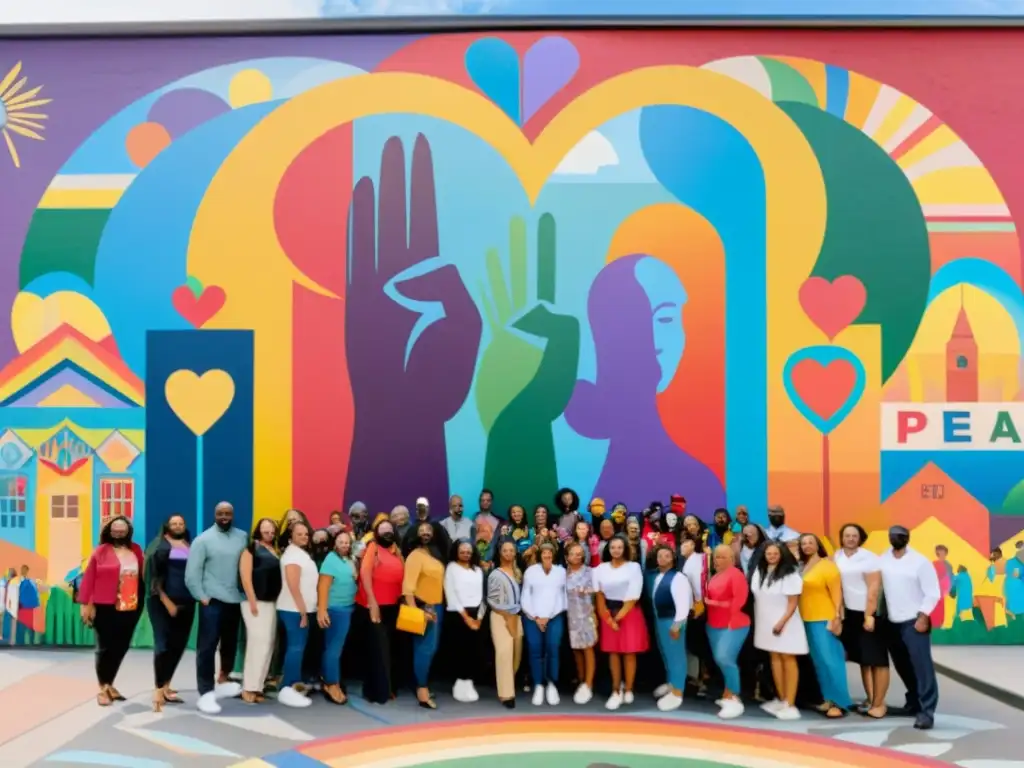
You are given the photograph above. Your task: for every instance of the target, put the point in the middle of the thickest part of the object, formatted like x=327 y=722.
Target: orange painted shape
x=145 y=141
x=31 y=702
x=999 y=248
x=862 y=95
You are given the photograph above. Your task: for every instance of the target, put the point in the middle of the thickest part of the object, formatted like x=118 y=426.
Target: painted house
x=71 y=442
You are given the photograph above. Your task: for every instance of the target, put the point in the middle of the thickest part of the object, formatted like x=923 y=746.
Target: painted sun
x=19 y=115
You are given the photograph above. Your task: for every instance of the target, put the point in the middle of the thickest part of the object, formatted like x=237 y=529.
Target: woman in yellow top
x=821 y=607
x=423 y=587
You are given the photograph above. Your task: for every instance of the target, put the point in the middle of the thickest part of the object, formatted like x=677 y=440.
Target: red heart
x=198 y=310
x=833 y=306
x=824 y=389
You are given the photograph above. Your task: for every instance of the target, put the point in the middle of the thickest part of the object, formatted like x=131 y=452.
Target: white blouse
x=308 y=578
x=852 y=570
x=464 y=588
x=693 y=570
x=622 y=584
x=543 y=593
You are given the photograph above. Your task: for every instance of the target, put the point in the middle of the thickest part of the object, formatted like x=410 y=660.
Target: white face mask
x=671 y=519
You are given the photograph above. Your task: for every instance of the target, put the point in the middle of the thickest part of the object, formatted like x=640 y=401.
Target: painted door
x=65 y=534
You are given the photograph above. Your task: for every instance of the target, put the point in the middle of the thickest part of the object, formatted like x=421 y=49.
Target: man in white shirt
x=456 y=525
x=911 y=589
x=777 y=529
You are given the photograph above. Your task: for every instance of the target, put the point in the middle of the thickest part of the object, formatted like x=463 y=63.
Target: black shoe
x=924 y=723
x=903 y=711
x=508 y=703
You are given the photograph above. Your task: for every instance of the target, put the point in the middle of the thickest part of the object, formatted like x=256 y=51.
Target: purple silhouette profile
x=635 y=307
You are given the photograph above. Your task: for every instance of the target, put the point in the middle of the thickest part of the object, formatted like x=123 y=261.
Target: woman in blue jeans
x=296 y=606
x=543 y=608
x=336 y=598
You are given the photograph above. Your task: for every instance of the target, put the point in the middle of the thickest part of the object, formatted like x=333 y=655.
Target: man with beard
x=777 y=529
x=411 y=539
x=359 y=519
x=400 y=520
x=486 y=515
x=721 y=528
x=457 y=525
x=211 y=575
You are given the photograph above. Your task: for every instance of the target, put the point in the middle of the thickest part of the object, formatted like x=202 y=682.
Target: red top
x=102 y=576
x=728 y=587
x=386 y=569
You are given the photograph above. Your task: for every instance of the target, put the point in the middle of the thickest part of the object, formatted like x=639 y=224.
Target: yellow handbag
x=411 y=620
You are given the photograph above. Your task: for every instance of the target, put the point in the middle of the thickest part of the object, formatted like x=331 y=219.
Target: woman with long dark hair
x=112 y=601
x=695 y=567
x=464 y=593
x=579 y=588
x=504 y=596
x=672 y=600
x=778 y=628
x=517 y=528
x=381 y=573
x=171 y=606
x=583 y=534
x=423 y=588
x=619 y=584
x=259 y=570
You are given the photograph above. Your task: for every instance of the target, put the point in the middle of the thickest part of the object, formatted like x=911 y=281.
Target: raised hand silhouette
x=412 y=335
x=521 y=388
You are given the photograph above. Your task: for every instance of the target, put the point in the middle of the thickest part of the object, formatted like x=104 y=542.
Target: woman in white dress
x=778 y=629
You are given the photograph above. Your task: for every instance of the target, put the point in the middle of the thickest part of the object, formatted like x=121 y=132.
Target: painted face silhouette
x=667 y=297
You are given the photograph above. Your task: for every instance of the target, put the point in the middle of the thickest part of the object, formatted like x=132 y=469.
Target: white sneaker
x=208 y=705
x=661 y=690
x=788 y=713
x=731 y=708
x=228 y=690
x=670 y=701
x=471 y=694
x=552 y=695
x=292 y=698
x=614 y=701
x=720 y=702
x=538 y=695
x=774 y=706
x=627 y=697
x=459 y=691
x=583 y=694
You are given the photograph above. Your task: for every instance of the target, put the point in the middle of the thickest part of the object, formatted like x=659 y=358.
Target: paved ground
x=49 y=717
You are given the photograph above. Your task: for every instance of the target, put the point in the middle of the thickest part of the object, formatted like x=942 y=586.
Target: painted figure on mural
x=944 y=571
x=1013 y=587
x=635 y=309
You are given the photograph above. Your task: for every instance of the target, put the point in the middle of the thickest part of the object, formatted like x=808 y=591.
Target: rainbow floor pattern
x=566 y=741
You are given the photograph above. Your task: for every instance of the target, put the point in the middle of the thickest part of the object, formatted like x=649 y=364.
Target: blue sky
x=72 y=11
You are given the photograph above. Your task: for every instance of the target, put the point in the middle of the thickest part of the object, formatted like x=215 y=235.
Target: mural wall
x=749 y=267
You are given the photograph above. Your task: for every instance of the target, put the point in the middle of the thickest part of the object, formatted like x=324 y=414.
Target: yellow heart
x=199 y=401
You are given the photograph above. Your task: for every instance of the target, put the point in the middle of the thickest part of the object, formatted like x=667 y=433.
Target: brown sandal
x=158 y=700
x=250 y=698
x=172 y=697
x=103 y=699
x=114 y=694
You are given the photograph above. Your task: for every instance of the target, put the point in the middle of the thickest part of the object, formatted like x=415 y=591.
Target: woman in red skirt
x=618 y=585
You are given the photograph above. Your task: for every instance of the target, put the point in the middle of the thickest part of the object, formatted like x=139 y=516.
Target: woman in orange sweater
x=111 y=602
x=380 y=589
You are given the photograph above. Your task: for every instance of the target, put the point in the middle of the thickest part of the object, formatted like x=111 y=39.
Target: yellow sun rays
x=14 y=119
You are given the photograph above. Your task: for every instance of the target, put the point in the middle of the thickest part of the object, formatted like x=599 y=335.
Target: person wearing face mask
x=442 y=541
x=567 y=502
x=912 y=591
x=381 y=574
x=464 y=594
x=653 y=513
x=721 y=529
x=423 y=588
x=211 y=575
x=112 y=602
x=359 y=518
x=170 y=606
x=457 y=525
x=778 y=530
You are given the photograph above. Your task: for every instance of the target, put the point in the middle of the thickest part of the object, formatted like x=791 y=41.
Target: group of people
x=731 y=606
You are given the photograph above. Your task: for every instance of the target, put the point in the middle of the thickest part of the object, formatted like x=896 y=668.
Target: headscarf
x=597 y=508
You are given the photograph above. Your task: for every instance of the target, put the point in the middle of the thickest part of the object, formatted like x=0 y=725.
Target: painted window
x=961 y=362
x=13 y=490
x=64 y=507
x=117 y=497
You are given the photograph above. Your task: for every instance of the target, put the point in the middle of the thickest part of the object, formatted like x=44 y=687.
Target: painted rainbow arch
x=571 y=741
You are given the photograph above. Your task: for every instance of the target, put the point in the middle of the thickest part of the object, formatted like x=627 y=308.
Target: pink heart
x=824 y=389
x=833 y=306
x=198 y=310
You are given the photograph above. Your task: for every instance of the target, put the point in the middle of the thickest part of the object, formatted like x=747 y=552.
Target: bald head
x=224 y=515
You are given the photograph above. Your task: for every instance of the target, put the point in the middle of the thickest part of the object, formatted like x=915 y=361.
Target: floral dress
x=579 y=586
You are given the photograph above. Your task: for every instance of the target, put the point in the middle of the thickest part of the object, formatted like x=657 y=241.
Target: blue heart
x=824 y=355
x=493 y=65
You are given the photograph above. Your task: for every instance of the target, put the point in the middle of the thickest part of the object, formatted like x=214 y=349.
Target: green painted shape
x=577 y=760
x=62 y=240
x=1013 y=504
x=875 y=229
x=972 y=226
x=788 y=85
x=195 y=286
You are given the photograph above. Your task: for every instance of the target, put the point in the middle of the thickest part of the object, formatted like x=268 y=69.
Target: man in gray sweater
x=211 y=575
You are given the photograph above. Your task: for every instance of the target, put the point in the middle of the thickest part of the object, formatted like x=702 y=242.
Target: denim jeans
x=544 y=648
x=334 y=643
x=295 y=637
x=425 y=646
x=829 y=659
x=673 y=652
x=218 y=633
x=911 y=653
x=726 y=645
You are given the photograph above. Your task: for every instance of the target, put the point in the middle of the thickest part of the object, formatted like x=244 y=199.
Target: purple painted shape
x=182 y=110
x=91 y=80
x=35 y=396
x=1002 y=527
x=643 y=462
x=548 y=66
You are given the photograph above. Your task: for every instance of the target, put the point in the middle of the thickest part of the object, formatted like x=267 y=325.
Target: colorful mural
x=309 y=271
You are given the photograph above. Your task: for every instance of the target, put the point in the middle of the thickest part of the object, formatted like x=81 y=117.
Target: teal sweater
x=212 y=570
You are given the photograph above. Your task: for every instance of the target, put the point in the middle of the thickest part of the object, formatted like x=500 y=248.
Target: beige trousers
x=260 y=635
x=508 y=651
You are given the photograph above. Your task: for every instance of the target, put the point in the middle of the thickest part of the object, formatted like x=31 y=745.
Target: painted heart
x=198 y=310
x=521 y=88
x=199 y=401
x=824 y=383
x=833 y=306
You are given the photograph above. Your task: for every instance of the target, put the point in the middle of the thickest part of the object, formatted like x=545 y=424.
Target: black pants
x=114 y=630
x=312 y=658
x=218 y=626
x=911 y=653
x=465 y=644
x=379 y=682
x=170 y=637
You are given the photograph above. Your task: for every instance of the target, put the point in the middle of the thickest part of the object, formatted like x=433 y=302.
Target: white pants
x=260 y=635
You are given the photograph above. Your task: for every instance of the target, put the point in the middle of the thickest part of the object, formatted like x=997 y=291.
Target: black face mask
x=425 y=540
x=386 y=539
x=777 y=521
x=899 y=540
x=721 y=527
x=177 y=535
x=119 y=540
x=224 y=525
